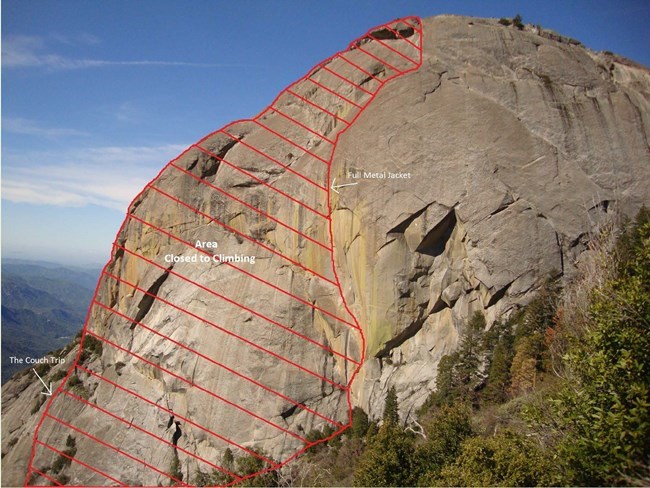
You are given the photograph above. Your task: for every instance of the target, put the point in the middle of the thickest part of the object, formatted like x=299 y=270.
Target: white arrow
x=335 y=186
x=48 y=390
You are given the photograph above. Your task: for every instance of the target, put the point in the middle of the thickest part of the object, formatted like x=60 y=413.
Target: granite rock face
x=519 y=145
x=477 y=175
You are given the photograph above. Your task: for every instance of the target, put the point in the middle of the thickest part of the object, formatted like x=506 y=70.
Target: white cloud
x=29 y=127
x=106 y=176
x=31 y=52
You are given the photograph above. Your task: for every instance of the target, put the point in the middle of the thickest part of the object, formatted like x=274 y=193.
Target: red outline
x=248 y=205
x=145 y=431
x=231 y=229
x=209 y=153
x=195 y=385
x=226 y=331
x=112 y=447
x=392 y=49
x=417 y=29
x=85 y=465
x=367 y=73
x=385 y=63
x=294 y=144
x=402 y=37
x=43 y=475
x=223 y=366
x=254 y=149
x=203 y=251
x=185 y=419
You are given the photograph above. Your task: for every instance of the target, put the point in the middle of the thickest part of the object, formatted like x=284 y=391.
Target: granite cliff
x=478 y=170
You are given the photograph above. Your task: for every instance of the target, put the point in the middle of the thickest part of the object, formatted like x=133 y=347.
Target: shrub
x=446 y=430
x=517 y=22
x=59 y=375
x=504 y=21
x=388 y=460
x=507 y=459
x=604 y=410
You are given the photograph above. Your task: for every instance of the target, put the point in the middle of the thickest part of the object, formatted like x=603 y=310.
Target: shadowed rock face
x=518 y=146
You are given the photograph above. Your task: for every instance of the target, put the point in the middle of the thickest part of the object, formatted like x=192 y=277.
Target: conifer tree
x=391 y=409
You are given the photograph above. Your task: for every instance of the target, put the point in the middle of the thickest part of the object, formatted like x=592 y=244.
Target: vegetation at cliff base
x=556 y=394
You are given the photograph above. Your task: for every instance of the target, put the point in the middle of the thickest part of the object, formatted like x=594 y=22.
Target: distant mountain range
x=43 y=306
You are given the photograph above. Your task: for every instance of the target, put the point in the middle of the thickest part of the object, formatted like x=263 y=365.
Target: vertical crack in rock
x=146 y=302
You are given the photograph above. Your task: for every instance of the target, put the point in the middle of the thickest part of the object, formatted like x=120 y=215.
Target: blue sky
x=98 y=96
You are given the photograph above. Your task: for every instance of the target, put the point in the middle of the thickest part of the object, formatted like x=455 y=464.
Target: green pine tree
x=391 y=409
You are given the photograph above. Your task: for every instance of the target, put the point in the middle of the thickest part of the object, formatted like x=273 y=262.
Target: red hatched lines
x=316 y=106
x=394 y=50
x=203 y=251
x=175 y=414
x=337 y=94
x=303 y=192
x=116 y=449
x=232 y=229
x=286 y=139
x=291 y=119
x=217 y=363
x=60 y=453
x=252 y=176
x=254 y=149
x=248 y=205
x=230 y=333
x=52 y=480
x=193 y=384
x=325 y=68
x=402 y=37
x=385 y=63
x=145 y=431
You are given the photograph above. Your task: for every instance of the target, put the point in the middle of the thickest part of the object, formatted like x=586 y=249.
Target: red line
x=229 y=332
x=385 y=63
x=80 y=462
x=368 y=73
x=248 y=205
x=192 y=383
x=233 y=302
x=252 y=148
x=346 y=80
x=185 y=419
x=318 y=107
x=118 y=450
x=250 y=175
x=230 y=370
x=277 y=288
x=392 y=49
x=232 y=229
x=335 y=93
x=286 y=139
x=402 y=37
x=52 y=480
x=291 y=119
x=229 y=300
x=165 y=441
x=417 y=27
